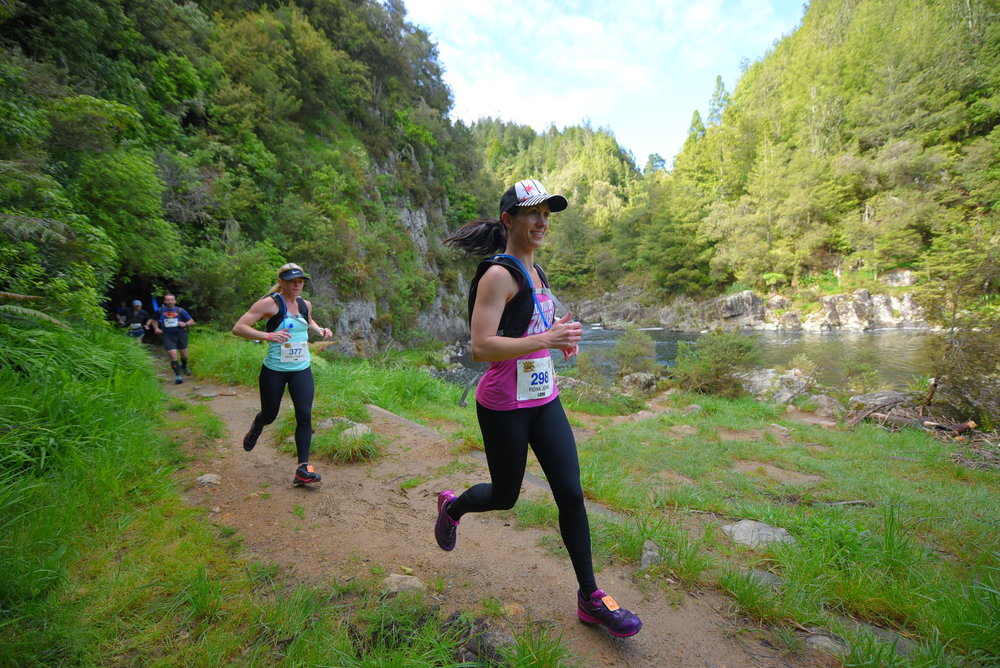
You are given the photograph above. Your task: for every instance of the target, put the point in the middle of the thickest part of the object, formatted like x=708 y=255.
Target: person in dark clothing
x=136 y=320
x=121 y=313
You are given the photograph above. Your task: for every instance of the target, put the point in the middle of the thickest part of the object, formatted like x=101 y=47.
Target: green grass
x=198 y=418
x=538 y=646
x=344 y=386
x=410 y=483
x=919 y=557
x=135 y=576
x=493 y=607
x=616 y=404
x=133 y=573
x=331 y=444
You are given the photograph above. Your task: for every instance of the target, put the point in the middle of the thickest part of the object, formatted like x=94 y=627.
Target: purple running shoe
x=445 y=528
x=602 y=609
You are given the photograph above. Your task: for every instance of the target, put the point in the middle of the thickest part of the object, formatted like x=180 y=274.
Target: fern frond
x=10 y=310
x=18 y=297
x=29 y=227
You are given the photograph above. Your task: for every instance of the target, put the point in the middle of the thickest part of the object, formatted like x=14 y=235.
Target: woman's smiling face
x=527 y=226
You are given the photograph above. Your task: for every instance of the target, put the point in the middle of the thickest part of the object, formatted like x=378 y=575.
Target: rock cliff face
x=859 y=311
x=356 y=331
x=353 y=329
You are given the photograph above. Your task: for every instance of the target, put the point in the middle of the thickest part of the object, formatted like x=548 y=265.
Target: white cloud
x=639 y=68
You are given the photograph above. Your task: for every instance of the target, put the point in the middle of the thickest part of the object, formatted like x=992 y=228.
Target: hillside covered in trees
x=867 y=140
x=152 y=144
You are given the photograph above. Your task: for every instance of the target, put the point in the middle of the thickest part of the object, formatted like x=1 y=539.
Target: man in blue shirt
x=172 y=322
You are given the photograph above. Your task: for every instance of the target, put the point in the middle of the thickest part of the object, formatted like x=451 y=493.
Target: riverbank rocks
x=641 y=383
x=739 y=311
x=827 y=406
x=772 y=385
x=898 y=277
x=617 y=310
x=861 y=311
x=858 y=311
x=354 y=328
x=887 y=399
x=756 y=534
x=445 y=317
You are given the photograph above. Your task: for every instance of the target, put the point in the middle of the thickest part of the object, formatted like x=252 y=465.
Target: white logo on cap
x=525 y=188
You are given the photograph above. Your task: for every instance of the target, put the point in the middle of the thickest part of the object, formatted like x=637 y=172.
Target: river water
x=899 y=356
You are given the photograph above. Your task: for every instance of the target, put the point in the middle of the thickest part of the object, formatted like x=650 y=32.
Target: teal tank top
x=292 y=355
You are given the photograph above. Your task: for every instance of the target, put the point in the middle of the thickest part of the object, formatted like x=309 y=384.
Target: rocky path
x=361 y=520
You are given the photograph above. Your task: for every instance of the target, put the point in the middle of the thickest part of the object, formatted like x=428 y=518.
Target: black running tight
x=506 y=437
x=300 y=388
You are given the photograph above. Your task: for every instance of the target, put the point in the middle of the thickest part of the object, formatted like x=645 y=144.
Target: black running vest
x=518 y=312
x=279 y=317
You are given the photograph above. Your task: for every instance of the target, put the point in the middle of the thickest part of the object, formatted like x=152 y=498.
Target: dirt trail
x=360 y=518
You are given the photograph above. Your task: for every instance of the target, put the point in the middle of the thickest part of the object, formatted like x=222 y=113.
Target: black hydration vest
x=276 y=319
x=518 y=311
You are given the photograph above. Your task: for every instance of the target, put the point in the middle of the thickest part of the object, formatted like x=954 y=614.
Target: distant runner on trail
x=136 y=320
x=288 y=321
x=512 y=316
x=121 y=314
x=172 y=322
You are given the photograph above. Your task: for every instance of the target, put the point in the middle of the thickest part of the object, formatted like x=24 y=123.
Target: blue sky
x=638 y=68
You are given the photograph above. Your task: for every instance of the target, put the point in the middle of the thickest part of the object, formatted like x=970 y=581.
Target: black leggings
x=506 y=436
x=300 y=388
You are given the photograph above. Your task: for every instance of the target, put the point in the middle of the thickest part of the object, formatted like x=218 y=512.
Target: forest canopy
x=150 y=145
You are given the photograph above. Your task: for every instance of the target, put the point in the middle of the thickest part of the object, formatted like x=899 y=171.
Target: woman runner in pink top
x=513 y=323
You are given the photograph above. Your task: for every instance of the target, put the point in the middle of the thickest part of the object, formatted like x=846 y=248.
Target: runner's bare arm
x=496 y=288
x=263 y=309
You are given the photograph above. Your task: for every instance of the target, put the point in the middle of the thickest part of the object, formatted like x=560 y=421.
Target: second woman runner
x=288 y=322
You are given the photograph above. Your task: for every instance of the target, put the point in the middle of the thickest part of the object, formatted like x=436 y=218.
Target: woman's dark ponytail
x=479 y=238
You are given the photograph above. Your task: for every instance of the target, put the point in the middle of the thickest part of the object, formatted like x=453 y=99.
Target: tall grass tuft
x=752 y=596
x=76 y=439
x=685 y=561
x=343 y=385
x=625 y=539
x=536 y=646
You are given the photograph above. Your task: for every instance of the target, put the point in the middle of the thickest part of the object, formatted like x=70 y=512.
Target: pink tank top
x=497 y=389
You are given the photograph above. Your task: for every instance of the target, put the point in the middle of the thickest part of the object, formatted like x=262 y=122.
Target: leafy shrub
x=595 y=371
x=803 y=363
x=205 y=279
x=861 y=371
x=965 y=387
x=967 y=301
x=634 y=352
x=712 y=364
